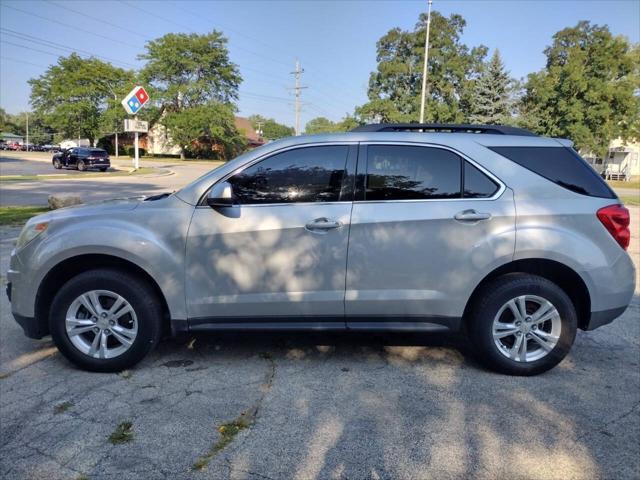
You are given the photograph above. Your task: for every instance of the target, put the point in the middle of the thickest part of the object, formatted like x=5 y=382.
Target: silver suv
x=505 y=235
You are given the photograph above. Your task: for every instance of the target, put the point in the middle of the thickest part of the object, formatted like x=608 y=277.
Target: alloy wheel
x=101 y=324
x=526 y=328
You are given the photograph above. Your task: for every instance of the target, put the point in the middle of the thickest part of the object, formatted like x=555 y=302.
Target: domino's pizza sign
x=135 y=100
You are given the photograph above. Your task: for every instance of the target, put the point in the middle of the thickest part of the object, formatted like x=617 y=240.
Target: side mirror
x=221 y=195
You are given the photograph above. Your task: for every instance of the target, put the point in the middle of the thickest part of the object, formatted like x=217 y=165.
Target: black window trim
x=350 y=161
x=362 y=169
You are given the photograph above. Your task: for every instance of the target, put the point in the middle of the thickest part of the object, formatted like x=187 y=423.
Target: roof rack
x=445 y=127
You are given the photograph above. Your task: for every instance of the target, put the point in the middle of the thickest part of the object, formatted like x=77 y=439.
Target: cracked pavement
x=326 y=406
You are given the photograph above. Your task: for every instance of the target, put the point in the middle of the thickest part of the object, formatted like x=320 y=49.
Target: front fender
x=151 y=238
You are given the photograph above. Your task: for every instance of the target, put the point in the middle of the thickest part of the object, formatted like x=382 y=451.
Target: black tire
x=56 y=164
x=135 y=290
x=103 y=169
x=81 y=165
x=489 y=302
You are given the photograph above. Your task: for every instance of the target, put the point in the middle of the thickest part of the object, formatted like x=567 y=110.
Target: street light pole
x=424 y=68
x=27 y=131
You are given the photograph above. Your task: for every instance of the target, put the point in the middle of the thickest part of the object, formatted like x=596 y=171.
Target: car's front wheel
x=105 y=320
x=522 y=324
x=57 y=164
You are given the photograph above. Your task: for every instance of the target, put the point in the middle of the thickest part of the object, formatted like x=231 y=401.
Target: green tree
x=185 y=71
x=271 y=129
x=320 y=125
x=492 y=101
x=588 y=89
x=395 y=86
x=206 y=130
x=72 y=95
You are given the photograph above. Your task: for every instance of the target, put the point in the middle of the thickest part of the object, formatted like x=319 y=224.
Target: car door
x=419 y=241
x=279 y=254
x=71 y=157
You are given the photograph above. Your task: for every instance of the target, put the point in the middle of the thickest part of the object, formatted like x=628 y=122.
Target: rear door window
x=561 y=165
x=403 y=172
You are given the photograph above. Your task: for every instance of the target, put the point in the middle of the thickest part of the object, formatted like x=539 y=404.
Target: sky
x=335 y=41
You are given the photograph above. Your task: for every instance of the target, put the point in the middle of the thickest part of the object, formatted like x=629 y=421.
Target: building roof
x=244 y=126
x=9 y=135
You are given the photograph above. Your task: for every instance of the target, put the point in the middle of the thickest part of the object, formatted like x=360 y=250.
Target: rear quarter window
x=561 y=165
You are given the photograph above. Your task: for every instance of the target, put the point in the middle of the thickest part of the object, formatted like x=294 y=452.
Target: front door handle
x=322 y=224
x=471 y=216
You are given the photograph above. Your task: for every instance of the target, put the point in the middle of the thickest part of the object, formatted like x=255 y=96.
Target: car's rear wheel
x=103 y=169
x=57 y=164
x=105 y=320
x=522 y=324
x=81 y=165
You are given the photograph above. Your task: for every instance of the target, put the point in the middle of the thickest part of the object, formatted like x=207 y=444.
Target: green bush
x=131 y=151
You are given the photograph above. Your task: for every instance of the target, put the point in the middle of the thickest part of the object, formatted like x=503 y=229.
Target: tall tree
x=271 y=129
x=186 y=71
x=588 y=90
x=72 y=95
x=395 y=86
x=492 y=94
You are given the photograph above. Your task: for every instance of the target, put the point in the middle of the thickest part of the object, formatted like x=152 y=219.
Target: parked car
x=14 y=146
x=82 y=159
x=506 y=236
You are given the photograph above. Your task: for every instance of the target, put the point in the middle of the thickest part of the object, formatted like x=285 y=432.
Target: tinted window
x=399 y=172
x=97 y=152
x=477 y=184
x=561 y=165
x=312 y=174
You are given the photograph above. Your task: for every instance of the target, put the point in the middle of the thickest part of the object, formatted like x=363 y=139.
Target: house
x=158 y=141
x=244 y=126
x=622 y=161
x=7 y=137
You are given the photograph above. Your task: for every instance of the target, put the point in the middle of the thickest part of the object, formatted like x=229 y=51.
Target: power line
x=22 y=61
x=74 y=27
x=190 y=28
x=101 y=20
x=59 y=46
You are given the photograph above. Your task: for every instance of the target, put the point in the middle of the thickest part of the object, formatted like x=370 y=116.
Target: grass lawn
x=630 y=200
x=633 y=184
x=18 y=214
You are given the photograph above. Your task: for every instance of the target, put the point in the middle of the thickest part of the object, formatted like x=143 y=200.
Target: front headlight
x=29 y=232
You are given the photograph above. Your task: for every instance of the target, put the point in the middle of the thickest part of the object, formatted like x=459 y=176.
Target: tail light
x=615 y=219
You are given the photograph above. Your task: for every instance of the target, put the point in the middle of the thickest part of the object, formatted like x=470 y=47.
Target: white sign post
x=134 y=101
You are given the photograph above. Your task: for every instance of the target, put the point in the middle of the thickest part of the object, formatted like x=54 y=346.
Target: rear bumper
x=97 y=163
x=604 y=317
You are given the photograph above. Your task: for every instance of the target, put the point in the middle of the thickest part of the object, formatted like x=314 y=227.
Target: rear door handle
x=471 y=216
x=322 y=224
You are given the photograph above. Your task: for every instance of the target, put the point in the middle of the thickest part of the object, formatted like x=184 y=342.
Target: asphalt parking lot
x=321 y=407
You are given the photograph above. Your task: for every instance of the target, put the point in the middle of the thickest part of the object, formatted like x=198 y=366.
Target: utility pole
x=426 y=62
x=298 y=72
x=259 y=128
x=27 y=131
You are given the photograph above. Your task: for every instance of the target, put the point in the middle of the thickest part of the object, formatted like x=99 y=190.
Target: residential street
x=321 y=406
